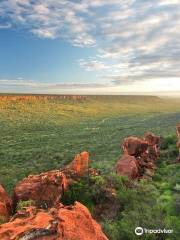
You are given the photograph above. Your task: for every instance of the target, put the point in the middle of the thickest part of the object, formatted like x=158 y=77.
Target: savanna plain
x=43 y=132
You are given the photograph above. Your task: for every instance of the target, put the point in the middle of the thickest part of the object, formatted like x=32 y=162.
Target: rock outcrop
x=79 y=166
x=128 y=166
x=5 y=205
x=47 y=218
x=45 y=189
x=139 y=156
x=61 y=223
x=153 y=145
x=134 y=146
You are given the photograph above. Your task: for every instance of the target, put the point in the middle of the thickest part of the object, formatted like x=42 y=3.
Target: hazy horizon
x=150 y=94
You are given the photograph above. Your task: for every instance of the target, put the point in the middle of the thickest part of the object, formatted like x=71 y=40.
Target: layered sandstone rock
x=153 y=145
x=48 y=219
x=61 y=223
x=134 y=146
x=128 y=166
x=45 y=189
x=79 y=166
x=151 y=139
x=5 y=205
x=140 y=155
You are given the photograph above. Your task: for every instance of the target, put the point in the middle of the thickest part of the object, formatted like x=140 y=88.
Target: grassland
x=38 y=134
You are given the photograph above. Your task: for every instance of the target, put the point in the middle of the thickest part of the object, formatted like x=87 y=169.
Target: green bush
x=168 y=141
x=79 y=191
x=112 y=229
x=25 y=204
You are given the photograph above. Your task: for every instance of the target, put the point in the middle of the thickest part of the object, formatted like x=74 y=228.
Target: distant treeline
x=43 y=97
x=15 y=98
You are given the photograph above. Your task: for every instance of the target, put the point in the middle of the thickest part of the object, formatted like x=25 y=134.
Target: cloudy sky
x=84 y=46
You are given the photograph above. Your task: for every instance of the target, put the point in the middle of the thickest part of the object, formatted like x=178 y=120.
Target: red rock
x=144 y=151
x=128 y=166
x=151 y=139
x=134 y=146
x=153 y=153
x=62 y=223
x=5 y=205
x=44 y=189
x=178 y=144
x=77 y=223
x=178 y=130
x=153 y=146
x=79 y=166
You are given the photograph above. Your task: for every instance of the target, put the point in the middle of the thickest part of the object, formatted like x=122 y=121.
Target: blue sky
x=82 y=46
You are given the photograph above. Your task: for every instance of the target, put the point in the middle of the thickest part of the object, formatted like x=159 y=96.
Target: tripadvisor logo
x=139 y=231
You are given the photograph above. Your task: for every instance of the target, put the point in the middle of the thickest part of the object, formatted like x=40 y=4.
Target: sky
x=90 y=47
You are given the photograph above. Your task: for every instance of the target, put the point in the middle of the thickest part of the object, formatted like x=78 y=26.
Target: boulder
x=152 y=139
x=61 y=223
x=77 y=223
x=153 y=146
x=5 y=205
x=153 y=153
x=134 y=146
x=79 y=166
x=178 y=130
x=139 y=156
x=128 y=166
x=45 y=189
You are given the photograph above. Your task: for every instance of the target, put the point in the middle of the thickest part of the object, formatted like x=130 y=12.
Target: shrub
x=112 y=229
x=25 y=204
x=167 y=141
x=79 y=191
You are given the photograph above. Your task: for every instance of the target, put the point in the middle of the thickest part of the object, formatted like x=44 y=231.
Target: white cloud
x=169 y=2
x=45 y=33
x=93 y=65
x=134 y=40
x=5 y=26
x=139 y=42
x=50 y=19
x=30 y=84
